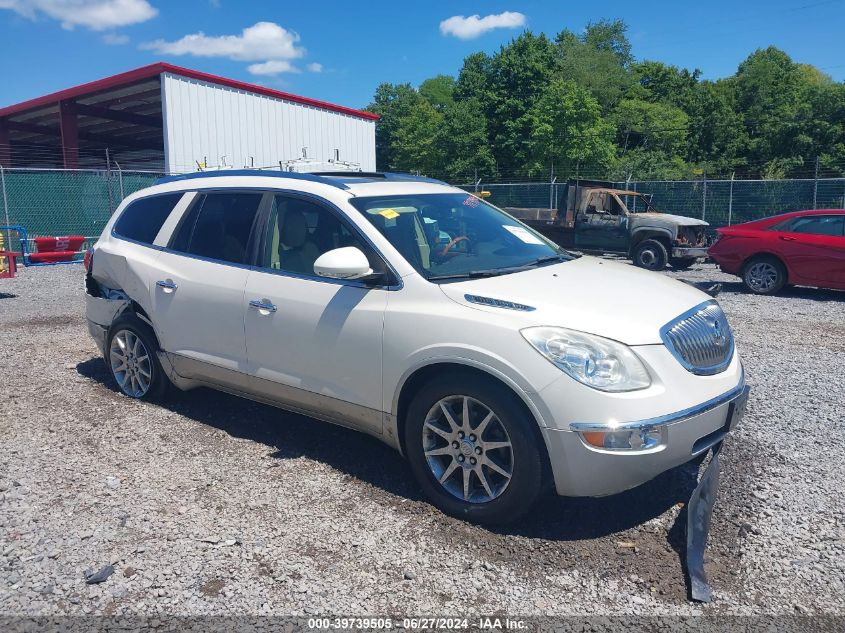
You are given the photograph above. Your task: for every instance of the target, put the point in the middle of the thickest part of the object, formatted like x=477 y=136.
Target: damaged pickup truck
x=600 y=219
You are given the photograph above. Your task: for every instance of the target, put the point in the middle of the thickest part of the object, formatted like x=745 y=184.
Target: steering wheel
x=445 y=251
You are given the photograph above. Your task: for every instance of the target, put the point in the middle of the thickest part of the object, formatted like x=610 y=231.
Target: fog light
x=624 y=439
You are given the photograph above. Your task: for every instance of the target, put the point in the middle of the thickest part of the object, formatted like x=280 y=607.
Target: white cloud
x=470 y=27
x=115 y=39
x=272 y=67
x=97 y=15
x=261 y=41
x=314 y=67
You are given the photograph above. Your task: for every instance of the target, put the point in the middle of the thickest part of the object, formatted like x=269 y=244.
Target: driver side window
x=299 y=231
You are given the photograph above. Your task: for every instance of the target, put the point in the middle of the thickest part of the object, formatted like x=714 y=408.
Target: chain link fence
x=64 y=202
x=720 y=202
x=80 y=202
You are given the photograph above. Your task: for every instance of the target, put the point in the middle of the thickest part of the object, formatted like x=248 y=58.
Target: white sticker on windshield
x=523 y=234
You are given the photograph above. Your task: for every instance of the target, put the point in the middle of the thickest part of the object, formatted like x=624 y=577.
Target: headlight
x=595 y=361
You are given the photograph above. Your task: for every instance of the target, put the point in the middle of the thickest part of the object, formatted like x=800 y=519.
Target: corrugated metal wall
x=204 y=120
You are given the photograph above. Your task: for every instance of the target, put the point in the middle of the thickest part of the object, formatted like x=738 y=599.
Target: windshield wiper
x=473 y=274
x=495 y=272
x=560 y=257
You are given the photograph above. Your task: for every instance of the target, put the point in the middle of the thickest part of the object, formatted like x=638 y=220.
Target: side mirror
x=343 y=263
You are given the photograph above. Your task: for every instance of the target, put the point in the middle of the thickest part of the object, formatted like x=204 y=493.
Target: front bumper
x=688 y=252
x=582 y=470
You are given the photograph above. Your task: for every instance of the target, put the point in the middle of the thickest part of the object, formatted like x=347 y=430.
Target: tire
x=130 y=332
x=764 y=275
x=427 y=428
x=682 y=263
x=650 y=254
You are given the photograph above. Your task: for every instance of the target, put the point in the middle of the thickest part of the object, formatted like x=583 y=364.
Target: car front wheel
x=473 y=451
x=651 y=255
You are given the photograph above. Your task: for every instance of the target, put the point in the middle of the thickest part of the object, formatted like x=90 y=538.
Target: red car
x=804 y=248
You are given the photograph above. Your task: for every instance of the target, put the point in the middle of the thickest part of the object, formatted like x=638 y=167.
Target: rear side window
x=219 y=226
x=142 y=219
x=817 y=225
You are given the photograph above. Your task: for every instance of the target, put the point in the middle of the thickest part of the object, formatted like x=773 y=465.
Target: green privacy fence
x=64 y=202
x=720 y=202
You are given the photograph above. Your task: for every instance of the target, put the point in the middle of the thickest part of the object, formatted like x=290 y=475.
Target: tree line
x=581 y=104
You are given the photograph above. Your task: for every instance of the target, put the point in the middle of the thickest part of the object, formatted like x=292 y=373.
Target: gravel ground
x=216 y=505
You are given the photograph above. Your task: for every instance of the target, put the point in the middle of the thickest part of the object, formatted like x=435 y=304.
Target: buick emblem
x=719 y=337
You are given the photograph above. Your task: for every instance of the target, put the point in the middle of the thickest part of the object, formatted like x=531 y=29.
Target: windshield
x=457 y=235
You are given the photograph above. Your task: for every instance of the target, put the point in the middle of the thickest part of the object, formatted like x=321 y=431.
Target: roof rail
x=219 y=173
x=374 y=175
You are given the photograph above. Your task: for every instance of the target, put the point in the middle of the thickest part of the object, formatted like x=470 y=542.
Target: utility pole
x=816 y=185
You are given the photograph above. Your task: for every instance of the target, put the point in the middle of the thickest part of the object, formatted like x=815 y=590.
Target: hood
x=668 y=218
x=597 y=296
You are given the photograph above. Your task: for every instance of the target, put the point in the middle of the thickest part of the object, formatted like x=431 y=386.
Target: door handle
x=262 y=304
x=786 y=238
x=166 y=285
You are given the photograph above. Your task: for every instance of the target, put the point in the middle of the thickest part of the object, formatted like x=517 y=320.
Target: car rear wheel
x=764 y=275
x=473 y=451
x=131 y=356
x=651 y=255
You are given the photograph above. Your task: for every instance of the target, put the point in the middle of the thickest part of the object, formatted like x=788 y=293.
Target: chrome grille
x=701 y=339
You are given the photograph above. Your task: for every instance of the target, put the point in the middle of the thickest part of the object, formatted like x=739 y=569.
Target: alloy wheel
x=131 y=364
x=762 y=276
x=468 y=449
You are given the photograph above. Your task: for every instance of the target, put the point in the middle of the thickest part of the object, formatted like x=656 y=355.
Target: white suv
x=496 y=362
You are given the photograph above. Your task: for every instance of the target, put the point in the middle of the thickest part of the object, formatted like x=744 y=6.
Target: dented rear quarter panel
x=123 y=266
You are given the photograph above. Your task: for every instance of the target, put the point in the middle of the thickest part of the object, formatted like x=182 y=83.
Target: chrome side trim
x=665 y=420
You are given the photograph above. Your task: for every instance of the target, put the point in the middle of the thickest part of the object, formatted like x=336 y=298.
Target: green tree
x=415 y=147
x=475 y=80
x=652 y=138
x=521 y=108
x=661 y=82
x=392 y=103
x=520 y=73
x=597 y=60
x=774 y=96
x=464 y=142
x=827 y=128
x=610 y=36
x=717 y=138
x=439 y=91
x=567 y=129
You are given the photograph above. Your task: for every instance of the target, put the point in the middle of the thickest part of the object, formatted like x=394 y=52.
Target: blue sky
x=340 y=51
